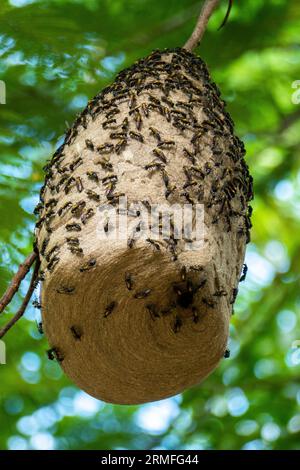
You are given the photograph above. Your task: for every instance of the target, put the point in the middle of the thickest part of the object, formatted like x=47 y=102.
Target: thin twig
x=26 y=300
x=16 y=281
x=206 y=12
x=230 y=3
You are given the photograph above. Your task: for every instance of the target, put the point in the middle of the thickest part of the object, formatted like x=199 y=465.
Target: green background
x=57 y=54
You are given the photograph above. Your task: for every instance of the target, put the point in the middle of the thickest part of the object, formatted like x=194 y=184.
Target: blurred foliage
x=55 y=55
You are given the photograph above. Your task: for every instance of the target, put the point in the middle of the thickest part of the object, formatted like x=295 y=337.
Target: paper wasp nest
x=141 y=319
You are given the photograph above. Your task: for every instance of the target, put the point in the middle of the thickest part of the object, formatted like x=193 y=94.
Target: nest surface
x=138 y=320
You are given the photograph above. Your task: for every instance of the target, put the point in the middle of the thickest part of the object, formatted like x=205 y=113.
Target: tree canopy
x=57 y=54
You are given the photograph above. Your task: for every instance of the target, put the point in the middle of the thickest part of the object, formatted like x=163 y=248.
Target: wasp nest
x=143 y=319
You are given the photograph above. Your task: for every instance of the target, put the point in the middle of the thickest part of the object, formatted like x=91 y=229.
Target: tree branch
x=27 y=298
x=16 y=281
x=227 y=14
x=206 y=12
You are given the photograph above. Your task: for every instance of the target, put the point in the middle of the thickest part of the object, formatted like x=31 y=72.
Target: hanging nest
x=143 y=319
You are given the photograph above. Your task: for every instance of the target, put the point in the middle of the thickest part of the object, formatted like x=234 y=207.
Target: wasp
x=76 y=250
x=142 y=294
x=172 y=248
x=73 y=227
x=177 y=289
x=155 y=134
x=167 y=101
x=110 y=183
x=189 y=155
x=120 y=146
x=64 y=209
x=40 y=222
x=138 y=120
x=145 y=109
x=72 y=240
x=227 y=354
x=189 y=184
x=51 y=252
x=51 y=203
x=169 y=191
x=207 y=125
x=65 y=290
x=55 y=354
x=49 y=215
x=128 y=281
x=125 y=125
x=78 y=208
x=197 y=170
x=85 y=217
x=36 y=304
x=155 y=107
x=195 y=315
x=106 y=227
x=248 y=238
x=166 y=145
x=147 y=204
x=187 y=173
x=38 y=209
x=166 y=113
x=220 y=293
x=248 y=223
x=183 y=273
x=49 y=229
x=154 y=166
x=62 y=180
x=197 y=136
x=76 y=164
x=160 y=155
x=76 y=332
x=88 y=266
x=109 y=192
x=188 y=198
x=79 y=185
x=244 y=273
x=105 y=148
x=250 y=194
x=52 y=264
x=69 y=184
x=175 y=112
x=153 y=243
x=179 y=124
x=40 y=327
x=132 y=100
x=112 y=113
x=229 y=190
x=109 y=308
x=92 y=195
x=41 y=276
x=165 y=178
x=130 y=242
x=177 y=324
x=152 y=309
x=110 y=179
x=105 y=164
x=208 y=302
x=112 y=197
x=93 y=176
x=44 y=245
x=118 y=135
x=108 y=124
x=89 y=144
x=184 y=105
x=154 y=100
x=136 y=136
x=249 y=211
